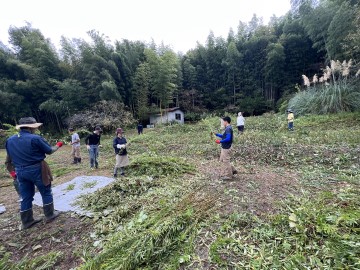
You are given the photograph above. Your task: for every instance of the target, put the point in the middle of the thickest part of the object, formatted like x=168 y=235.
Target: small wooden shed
x=168 y=116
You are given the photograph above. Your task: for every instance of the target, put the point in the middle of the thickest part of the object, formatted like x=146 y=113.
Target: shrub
x=334 y=92
x=107 y=114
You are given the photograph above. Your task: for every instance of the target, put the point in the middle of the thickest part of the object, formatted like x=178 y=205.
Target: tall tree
x=141 y=85
x=232 y=62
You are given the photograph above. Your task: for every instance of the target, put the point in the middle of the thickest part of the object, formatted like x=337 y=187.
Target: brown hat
x=29 y=122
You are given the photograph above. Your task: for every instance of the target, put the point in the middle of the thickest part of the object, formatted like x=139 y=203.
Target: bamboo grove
x=255 y=68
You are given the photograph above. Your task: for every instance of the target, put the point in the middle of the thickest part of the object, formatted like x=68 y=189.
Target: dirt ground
x=254 y=189
x=68 y=234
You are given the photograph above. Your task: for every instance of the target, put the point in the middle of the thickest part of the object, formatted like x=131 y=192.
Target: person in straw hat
x=26 y=153
x=122 y=159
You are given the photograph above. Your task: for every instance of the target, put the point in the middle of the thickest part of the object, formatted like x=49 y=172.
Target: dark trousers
x=29 y=177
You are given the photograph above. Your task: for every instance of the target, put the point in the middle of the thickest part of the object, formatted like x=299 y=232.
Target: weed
x=70 y=187
x=57 y=172
x=309 y=233
x=90 y=184
x=44 y=262
x=157 y=166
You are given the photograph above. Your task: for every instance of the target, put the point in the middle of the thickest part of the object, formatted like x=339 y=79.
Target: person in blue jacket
x=26 y=152
x=226 y=143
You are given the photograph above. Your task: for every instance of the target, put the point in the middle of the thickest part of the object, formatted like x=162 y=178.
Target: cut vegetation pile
x=293 y=205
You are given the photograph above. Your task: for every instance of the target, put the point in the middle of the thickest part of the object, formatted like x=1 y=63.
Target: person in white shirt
x=240 y=123
x=75 y=143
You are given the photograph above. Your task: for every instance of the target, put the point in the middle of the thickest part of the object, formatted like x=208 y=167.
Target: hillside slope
x=293 y=204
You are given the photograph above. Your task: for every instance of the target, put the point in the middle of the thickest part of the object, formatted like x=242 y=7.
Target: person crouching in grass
x=122 y=159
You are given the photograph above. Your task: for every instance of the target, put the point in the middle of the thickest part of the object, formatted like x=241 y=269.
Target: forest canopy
x=256 y=68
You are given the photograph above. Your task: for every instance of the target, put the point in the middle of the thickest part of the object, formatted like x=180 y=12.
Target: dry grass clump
x=335 y=91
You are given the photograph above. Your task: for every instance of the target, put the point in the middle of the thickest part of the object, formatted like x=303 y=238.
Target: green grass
x=90 y=184
x=308 y=233
x=143 y=222
x=57 y=172
x=166 y=214
x=43 y=262
x=70 y=187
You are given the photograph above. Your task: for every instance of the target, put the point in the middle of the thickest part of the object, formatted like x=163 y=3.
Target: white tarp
x=2 y=209
x=66 y=194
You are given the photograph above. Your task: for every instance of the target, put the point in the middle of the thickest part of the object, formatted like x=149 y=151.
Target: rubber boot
x=49 y=212
x=27 y=219
x=79 y=160
x=75 y=160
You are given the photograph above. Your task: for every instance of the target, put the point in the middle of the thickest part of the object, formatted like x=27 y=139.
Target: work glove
x=118 y=146
x=88 y=147
x=217 y=141
x=59 y=144
x=13 y=174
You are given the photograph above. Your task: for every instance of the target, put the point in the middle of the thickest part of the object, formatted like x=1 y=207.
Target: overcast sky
x=179 y=23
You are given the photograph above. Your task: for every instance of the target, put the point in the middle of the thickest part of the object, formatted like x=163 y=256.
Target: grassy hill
x=294 y=203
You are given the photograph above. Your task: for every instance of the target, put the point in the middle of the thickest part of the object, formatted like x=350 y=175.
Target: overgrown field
x=294 y=203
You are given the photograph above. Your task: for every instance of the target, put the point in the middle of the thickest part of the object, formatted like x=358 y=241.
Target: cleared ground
x=171 y=211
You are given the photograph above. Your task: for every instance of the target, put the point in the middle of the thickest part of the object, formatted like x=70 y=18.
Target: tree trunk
x=58 y=123
x=234 y=89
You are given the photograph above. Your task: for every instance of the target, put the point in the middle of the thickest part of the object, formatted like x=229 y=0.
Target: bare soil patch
x=256 y=190
x=68 y=234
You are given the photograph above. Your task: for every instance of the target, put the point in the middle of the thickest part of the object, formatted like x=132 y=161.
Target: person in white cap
x=240 y=123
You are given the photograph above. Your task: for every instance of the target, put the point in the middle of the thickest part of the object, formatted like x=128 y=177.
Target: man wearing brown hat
x=26 y=152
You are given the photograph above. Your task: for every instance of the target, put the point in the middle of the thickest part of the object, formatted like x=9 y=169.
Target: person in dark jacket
x=122 y=159
x=92 y=142
x=140 y=128
x=226 y=143
x=26 y=152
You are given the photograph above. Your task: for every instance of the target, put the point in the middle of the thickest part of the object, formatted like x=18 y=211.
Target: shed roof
x=167 y=110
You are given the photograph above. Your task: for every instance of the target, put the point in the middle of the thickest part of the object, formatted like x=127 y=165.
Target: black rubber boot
x=27 y=219
x=79 y=159
x=75 y=160
x=49 y=212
